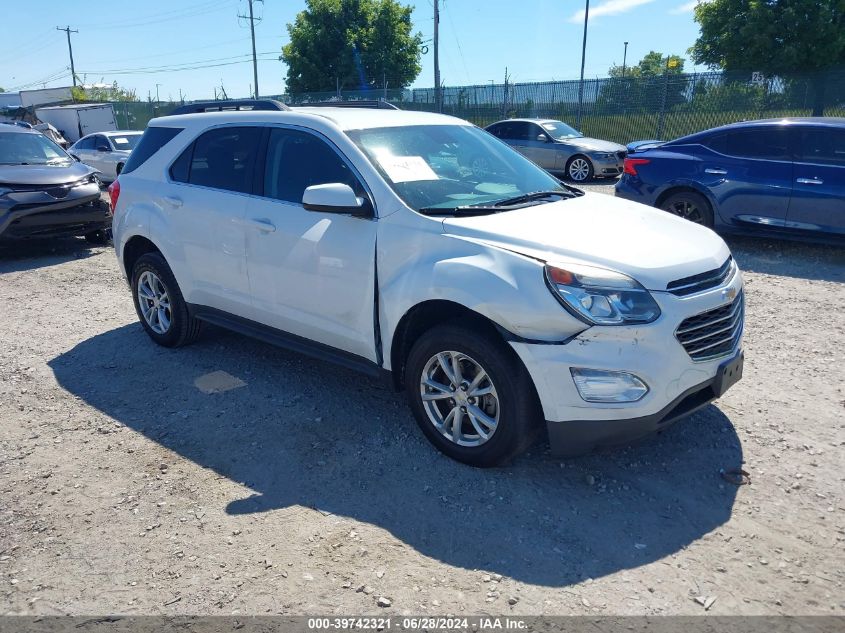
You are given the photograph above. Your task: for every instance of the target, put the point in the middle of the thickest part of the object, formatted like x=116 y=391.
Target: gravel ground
x=306 y=489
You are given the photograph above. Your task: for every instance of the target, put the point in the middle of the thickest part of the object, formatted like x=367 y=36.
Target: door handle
x=173 y=201
x=265 y=226
x=717 y=172
x=809 y=181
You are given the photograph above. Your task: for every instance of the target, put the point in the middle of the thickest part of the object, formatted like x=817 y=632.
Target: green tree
x=103 y=93
x=642 y=87
x=351 y=43
x=775 y=37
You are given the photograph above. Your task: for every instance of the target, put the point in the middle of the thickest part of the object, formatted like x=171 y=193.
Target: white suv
x=497 y=298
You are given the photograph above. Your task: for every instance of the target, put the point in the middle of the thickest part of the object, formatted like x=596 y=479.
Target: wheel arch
x=137 y=246
x=680 y=186
x=429 y=314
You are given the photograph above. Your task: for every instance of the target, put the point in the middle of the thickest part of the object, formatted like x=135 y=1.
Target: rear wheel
x=691 y=206
x=159 y=303
x=471 y=396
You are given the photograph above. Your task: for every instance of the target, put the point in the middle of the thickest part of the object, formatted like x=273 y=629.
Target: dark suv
x=46 y=193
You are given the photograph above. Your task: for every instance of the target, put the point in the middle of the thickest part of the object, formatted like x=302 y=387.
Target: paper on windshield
x=406 y=168
x=120 y=141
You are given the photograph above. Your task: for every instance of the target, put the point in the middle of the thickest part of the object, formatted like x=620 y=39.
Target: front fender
x=507 y=288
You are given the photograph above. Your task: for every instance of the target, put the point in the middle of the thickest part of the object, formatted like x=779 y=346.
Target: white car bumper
x=677 y=384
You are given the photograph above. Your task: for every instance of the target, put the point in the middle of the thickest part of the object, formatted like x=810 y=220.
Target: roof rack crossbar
x=358 y=103
x=234 y=104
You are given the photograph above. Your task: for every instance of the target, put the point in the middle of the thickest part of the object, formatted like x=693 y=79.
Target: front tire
x=159 y=303
x=471 y=396
x=579 y=168
x=99 y=238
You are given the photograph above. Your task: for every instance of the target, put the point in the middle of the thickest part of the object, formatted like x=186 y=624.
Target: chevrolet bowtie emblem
x=729 y=294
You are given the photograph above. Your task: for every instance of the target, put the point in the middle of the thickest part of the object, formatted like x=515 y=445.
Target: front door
x=818 y=195
x=312 y=274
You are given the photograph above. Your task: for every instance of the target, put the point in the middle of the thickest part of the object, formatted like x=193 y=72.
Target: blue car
x=779 y=178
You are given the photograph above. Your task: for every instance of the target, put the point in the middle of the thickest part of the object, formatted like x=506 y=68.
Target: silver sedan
x=106 y=152
x=558 y=148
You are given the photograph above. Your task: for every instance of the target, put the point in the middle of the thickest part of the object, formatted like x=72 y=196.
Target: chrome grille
x=703 y=281
x=713 y=333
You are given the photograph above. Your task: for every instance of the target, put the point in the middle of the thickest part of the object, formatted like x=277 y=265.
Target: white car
x=107 y=152
x=497 y=302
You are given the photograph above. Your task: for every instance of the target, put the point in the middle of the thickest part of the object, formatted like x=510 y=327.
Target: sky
x=199 y=45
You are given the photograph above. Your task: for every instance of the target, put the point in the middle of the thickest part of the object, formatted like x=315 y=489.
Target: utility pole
x=438 y=98
x=252 y=20
x=624 y=59
x=68 y=30
x=157 y=99
x=583 y=57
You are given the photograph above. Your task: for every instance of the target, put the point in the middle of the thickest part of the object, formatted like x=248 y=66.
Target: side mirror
x=542 y=138
x=336 y=197
x=102 y=148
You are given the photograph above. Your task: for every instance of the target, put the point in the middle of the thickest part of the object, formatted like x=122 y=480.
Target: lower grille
x=713 y=333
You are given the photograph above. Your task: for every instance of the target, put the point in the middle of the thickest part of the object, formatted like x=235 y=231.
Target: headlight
x=605 y=156
x=601 y=297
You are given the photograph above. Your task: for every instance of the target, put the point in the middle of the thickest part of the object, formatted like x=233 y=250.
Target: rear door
x=818 y=195
x=210 y=187
x=749 y=173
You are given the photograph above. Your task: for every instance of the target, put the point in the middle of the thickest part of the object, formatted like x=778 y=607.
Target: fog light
x=595 y=385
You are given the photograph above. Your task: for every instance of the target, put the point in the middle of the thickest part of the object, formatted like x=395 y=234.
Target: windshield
x=125 y=141
x=448 y=167
x=560 y=131
x=30 y=149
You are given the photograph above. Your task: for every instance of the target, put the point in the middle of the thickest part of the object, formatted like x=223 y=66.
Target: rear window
x=153 y=140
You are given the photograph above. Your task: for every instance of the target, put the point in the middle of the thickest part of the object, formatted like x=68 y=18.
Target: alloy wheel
x=687 y=210
x=154 y=302
x=459 y=398
x=579 y=169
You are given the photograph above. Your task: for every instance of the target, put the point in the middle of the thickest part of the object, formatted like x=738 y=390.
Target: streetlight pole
x=624 y=59
x=583 y=58
x=438 y=103
x=157 y=100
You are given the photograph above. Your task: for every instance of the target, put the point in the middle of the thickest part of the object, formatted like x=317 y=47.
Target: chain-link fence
x=621 y=109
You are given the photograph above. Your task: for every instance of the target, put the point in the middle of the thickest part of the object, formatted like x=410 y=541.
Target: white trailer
x=78 y=119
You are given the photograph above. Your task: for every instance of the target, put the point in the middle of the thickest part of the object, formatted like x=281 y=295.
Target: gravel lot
x=124 y=488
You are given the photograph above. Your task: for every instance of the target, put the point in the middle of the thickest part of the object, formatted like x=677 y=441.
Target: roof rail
x=234 y=104
x=360 y=103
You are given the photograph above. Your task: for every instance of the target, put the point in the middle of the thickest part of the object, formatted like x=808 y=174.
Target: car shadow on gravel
x=800 y=260
x=306 y=433
x=16 y=256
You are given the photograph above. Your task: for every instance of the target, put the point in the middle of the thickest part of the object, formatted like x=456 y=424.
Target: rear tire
x=504 y=396
x=691 y=206
x=159 y=303
x=118 y=169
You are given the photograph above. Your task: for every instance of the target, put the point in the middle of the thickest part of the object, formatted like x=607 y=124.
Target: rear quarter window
x=153 y=140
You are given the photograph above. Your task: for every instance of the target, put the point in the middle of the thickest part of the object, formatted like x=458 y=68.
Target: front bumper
x=678 y=385
x=607 y=167
x=28 y=214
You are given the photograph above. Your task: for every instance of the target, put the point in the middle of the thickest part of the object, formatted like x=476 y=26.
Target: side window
x=496 y=130
x=297 y=160
x=180 y=170
x=507 y=131
x=225 y=158
x=822 y=146
x=534 y=132
x=101 y=141
x=522 y=131
x=769 y=143
x=85 y=143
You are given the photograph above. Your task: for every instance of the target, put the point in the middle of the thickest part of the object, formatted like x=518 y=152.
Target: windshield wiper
x=529 y=197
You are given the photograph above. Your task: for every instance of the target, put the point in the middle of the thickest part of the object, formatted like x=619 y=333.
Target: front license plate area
x=729 y=374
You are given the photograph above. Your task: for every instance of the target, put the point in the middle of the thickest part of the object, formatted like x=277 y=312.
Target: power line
x=70 y=50
x=175 y=70
x=166 y=16
x=169 y=67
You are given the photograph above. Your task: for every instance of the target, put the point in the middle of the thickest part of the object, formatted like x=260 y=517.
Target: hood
x=587 y=144
x=647 y=244
x=43 y=174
